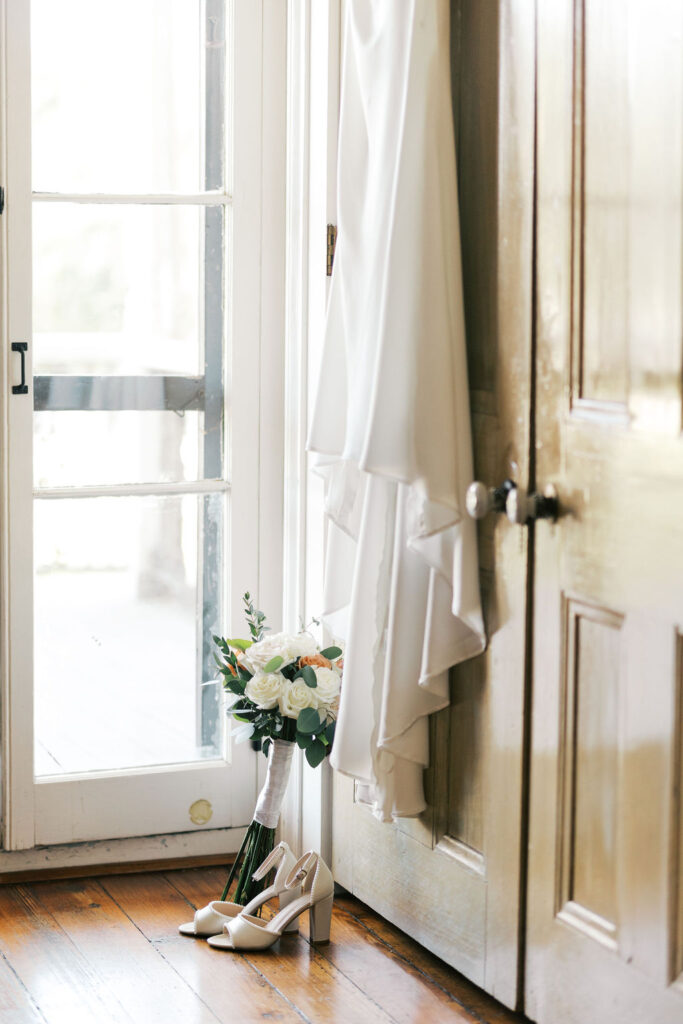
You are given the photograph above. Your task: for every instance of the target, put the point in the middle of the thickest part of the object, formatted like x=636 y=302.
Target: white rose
x=328 y=687
x=265 y=688
x=302 y=645
x=259 y=654
x=287 y=646
x=295 y=697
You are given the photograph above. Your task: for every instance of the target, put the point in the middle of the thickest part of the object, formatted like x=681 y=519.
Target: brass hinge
x=331 y=243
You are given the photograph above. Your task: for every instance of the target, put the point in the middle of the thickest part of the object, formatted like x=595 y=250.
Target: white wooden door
x=605 y=925
x=452 y=879
x=142 y=468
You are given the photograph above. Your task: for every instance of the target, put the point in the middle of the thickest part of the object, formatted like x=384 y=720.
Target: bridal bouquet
x=283 y=690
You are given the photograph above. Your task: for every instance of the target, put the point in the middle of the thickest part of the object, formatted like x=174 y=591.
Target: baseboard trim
x=133 y=868
x=119 y=856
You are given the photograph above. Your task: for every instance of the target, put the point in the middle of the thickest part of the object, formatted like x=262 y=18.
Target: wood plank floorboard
x=107 y=949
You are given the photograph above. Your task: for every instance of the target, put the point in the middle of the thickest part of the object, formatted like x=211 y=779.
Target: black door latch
x=22 y=348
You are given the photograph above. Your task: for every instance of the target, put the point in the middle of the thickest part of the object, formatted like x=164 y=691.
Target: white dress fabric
x=391 y=422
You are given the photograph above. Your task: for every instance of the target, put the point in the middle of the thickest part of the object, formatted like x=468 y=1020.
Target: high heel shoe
x=212 y=918
x=317 y=893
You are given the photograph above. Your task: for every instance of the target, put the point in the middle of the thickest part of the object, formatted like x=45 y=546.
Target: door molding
x=312 y=120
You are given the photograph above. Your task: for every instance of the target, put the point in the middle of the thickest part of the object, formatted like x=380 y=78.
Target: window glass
x=75 y=449
x=120 y=610
x=117 y=289
x=117 y=95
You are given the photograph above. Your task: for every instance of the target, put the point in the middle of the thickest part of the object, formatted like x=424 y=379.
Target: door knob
x=481 y=499
x=519 y=506
x=524 y=508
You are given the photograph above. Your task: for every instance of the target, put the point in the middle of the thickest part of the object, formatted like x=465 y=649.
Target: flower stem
x=256 y=845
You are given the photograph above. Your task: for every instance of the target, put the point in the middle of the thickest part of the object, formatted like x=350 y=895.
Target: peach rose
x=316 y=660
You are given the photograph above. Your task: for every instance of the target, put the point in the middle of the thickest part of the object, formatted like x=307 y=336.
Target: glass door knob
x=523 y=508
x=519 y=506
x=481 y=499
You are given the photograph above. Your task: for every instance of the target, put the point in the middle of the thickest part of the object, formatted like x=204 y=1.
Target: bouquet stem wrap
x=260 y=837
x=270 y=799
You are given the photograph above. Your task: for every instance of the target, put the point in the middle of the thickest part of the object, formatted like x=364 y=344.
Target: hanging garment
x=391 y=423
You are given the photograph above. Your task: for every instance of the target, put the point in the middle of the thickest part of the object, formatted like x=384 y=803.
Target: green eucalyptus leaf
x=303 y=740
x=274 y=664
x=329 y=732
x=308 y=721
x=315 y=754
x=309 y=677
x=332 y=653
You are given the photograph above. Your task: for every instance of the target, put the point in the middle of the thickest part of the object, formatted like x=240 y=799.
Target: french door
x=132 y=261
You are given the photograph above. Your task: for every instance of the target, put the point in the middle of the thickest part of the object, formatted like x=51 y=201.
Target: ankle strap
x=303 y=872
x=272 y=860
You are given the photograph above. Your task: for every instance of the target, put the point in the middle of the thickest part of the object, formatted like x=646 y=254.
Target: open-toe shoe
x=312 y=874
x=211 y=919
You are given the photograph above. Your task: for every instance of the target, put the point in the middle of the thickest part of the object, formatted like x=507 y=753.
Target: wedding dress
x=391 y=423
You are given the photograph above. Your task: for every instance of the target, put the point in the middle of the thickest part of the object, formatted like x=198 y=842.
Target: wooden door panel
x=589 y=755
x=602 y=149
x=625 y=191
x=433 y=892
x=604 y=918
x=465 y=783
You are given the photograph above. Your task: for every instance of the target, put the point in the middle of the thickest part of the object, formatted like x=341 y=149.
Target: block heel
x=320 y=917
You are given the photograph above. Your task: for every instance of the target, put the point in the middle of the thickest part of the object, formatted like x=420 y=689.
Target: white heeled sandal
x=211 y=919
x=314 y=877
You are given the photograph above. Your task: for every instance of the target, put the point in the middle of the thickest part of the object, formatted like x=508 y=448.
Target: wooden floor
x=107 y=949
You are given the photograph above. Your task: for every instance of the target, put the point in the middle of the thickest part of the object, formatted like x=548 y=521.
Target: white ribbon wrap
x=270 y=799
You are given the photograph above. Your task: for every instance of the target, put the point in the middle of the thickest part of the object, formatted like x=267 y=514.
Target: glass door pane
x=117 y=586
x=117 y=288
x=129 y=286
x=117 y=95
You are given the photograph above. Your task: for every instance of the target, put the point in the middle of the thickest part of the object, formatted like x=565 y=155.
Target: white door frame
x=17 y=413
x=313 y=86
x=257 y=468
